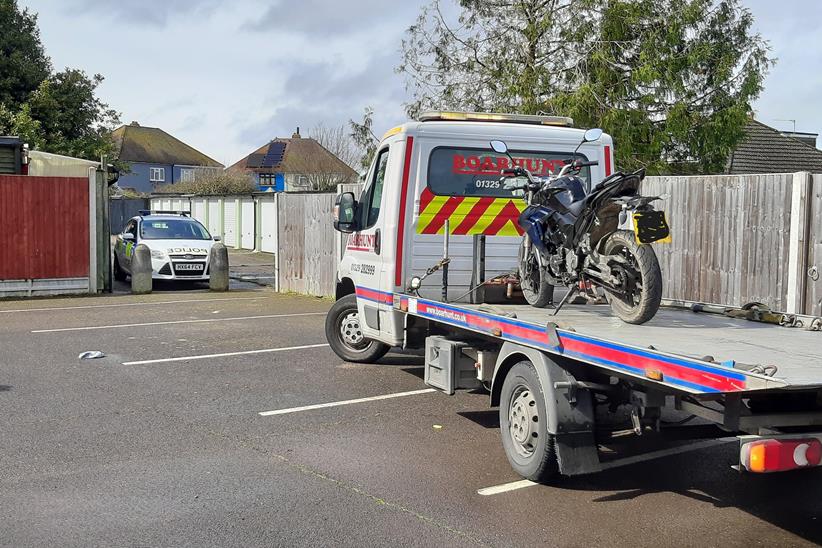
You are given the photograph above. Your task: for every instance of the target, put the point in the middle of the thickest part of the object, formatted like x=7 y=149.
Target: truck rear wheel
x=344 y=334
x=523 y=419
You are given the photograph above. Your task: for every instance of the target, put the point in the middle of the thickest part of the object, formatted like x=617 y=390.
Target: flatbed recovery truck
x=551 y=375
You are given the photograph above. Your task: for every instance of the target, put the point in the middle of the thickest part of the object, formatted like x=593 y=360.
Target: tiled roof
x=765 y=150
x=302 y=155
x=135 y=143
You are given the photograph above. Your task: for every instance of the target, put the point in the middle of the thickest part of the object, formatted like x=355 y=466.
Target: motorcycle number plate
x=651 y=226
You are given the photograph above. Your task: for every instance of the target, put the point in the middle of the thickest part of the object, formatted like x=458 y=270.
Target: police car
x=179 y=246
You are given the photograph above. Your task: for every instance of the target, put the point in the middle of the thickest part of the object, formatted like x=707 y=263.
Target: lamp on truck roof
x=451 y=116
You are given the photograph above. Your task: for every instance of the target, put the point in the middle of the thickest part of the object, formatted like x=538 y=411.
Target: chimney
x=297 y=134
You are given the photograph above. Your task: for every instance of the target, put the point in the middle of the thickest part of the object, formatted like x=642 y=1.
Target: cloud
x=316 y=93
x=321 y=18
x=153 y=13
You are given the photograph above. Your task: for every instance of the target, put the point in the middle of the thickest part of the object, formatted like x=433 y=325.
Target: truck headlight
x=158 y=254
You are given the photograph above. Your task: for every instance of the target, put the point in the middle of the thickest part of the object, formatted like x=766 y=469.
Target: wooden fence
x=742 y=238
x=307 y=254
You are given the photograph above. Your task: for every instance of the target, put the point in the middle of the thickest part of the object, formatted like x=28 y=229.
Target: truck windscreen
x=476 y=172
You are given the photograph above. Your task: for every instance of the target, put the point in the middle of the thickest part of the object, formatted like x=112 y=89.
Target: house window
x=267 y=179
x=157 y=175
x=186 y=175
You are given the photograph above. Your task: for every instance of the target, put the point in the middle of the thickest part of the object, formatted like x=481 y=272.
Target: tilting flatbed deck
x=692 y=352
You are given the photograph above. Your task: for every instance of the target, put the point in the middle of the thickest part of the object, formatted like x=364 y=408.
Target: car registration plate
x=184 y=266
x=651 y=226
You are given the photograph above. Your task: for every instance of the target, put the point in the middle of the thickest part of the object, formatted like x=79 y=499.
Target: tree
x=671 y=80
x=364 y=138
x=23 y=61
x=20 y=124
x=320 y=172
x=54 y=112
x=338 y=142
x=73 y=120
x=213 y=182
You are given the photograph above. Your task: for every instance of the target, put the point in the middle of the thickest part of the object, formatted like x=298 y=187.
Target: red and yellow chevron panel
x=469 y=215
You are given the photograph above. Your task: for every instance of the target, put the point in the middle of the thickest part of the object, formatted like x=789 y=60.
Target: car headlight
x=158 y=254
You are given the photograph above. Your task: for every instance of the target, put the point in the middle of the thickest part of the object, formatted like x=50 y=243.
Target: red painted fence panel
x=44 y=227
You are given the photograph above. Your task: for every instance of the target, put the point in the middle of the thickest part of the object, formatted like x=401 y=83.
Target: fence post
x=258 y=223
x=798 y=250
x=277 y=239
x=221 y=202
x=238 y=223
x=92 y=231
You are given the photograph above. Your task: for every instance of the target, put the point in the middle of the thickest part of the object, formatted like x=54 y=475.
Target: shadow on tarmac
x=789 y=500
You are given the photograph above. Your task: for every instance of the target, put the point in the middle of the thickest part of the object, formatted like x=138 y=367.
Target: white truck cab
x=431 y=174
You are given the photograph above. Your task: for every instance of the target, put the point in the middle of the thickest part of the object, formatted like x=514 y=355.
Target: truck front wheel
x=344 y=334
x=523 y=421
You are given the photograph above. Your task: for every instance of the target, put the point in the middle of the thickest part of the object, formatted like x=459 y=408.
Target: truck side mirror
x=345 y=213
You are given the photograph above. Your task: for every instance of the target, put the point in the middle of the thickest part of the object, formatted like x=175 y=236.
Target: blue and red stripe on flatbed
x=690 y=375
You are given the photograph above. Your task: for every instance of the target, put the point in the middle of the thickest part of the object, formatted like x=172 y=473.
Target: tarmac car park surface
x=162 y=443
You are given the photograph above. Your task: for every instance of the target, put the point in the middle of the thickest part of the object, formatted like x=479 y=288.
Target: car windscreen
x=476 y=172
x=173 y=229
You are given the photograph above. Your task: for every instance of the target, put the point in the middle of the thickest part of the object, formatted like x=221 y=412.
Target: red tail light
x=780 y=455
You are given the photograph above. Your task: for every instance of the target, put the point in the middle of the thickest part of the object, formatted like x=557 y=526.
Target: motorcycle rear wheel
x=643 y=302
x=537 y=290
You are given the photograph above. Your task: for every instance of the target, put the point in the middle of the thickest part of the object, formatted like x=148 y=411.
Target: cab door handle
x=377 y=241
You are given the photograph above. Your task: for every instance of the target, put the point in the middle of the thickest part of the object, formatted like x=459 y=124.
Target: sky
x=228 y=76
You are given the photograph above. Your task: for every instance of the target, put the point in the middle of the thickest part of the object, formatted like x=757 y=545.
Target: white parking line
x=345 y=402
x=120 y=326
x=505 y=487
x=521 y=484
x=225 y=354
x=149 y=303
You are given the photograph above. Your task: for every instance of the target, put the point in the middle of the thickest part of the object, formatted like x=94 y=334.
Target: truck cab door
x=364 y=253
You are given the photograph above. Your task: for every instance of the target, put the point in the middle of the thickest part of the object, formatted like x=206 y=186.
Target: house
x=157 y=158
x=297 y=164
x=768 y=150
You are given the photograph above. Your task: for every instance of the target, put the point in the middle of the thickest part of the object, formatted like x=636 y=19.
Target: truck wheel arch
x=344 y=287
x=570 y=415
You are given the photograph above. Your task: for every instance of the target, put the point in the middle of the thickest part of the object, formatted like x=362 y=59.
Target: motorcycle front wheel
x=640 y=279
x=535 y=288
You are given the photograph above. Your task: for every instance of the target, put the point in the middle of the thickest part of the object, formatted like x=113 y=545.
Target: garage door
x=215 y=222
x=247 y=228
x=198 y=209
x=268 y=221
x=230 y=223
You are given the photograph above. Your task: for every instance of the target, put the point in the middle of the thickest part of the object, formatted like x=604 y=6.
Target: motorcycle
x=586 y=241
